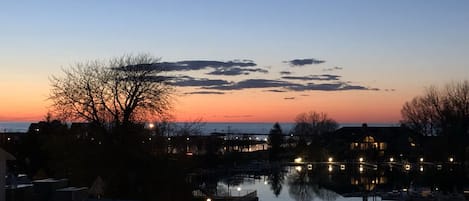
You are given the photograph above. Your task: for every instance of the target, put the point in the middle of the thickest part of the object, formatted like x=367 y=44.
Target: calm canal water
x=325 y=182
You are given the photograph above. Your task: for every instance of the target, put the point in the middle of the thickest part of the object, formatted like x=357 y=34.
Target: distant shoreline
x=209 y=127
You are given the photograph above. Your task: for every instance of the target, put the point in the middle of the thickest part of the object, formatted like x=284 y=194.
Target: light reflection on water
x=293 y=186
x=299 y=183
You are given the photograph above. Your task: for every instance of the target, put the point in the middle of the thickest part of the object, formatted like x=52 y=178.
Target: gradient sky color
x=398 y=47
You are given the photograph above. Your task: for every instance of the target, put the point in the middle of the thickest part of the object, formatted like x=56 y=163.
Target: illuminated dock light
x=451 y=159
x=310 y=167
x=361 y=159
x=330 y=159
x=391 y=159
x=407 y=167
x=421 y=160
x=151 y=125
x=342 y=167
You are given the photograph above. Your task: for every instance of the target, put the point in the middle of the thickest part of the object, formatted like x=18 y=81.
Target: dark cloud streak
x=332 y=69
x=323 y=77
x=236 y=71
x=303 y=62
x=203 y=64
x=205 y=92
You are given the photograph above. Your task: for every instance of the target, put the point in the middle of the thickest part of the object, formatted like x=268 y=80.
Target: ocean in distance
x=207 y=128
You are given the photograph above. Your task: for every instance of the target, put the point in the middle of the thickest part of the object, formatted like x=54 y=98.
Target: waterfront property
x=374 y=143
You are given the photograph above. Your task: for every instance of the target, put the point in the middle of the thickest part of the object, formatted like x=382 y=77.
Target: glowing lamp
x=298 y=168
x=298 y=160
x=407 y=167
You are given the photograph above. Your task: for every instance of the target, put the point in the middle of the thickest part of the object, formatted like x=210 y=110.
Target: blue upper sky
x=402 y=45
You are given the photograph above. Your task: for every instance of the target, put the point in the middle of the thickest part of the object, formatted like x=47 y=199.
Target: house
x=374 y=143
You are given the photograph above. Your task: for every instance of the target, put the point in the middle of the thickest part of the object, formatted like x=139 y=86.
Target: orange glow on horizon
x=255 y=106
x=252 y=106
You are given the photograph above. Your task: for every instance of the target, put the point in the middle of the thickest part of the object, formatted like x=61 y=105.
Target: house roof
x=5 y=155
x=379 y=133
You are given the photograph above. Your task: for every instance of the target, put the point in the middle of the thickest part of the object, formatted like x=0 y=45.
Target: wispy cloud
x=253 y=83
x=286 y=83
x=336 y=68
x=330 y=87
x=289 y=98
x=205 y=92
x=276 y=90
x=284 y=86
x=236 y=71
x=303 y=62
x=325 y=77
x=203 y=64
x=187 y=81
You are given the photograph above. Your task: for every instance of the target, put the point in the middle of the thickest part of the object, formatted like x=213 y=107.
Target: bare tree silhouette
x=440 y=111
x=115 y=93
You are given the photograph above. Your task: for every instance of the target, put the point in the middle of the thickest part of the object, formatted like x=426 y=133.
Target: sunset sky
x=246 y=61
